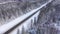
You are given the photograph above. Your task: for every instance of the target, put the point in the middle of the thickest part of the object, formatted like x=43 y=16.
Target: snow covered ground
x=16 y=21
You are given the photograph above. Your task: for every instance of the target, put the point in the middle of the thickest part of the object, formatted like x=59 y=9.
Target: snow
x=11 y=24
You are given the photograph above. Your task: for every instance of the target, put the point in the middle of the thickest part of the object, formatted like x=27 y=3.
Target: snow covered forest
x=48 y=20
x=11 y=9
